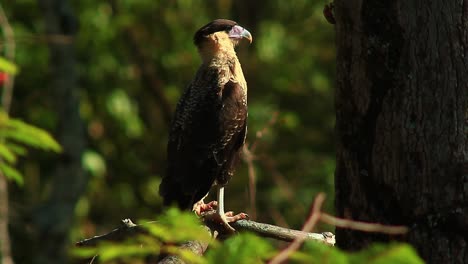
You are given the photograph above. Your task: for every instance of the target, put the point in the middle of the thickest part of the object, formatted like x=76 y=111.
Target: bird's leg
x=220 y=210
x=225 y=218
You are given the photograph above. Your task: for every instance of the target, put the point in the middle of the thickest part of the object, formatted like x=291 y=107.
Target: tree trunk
x=401 y=122
x=54 y=218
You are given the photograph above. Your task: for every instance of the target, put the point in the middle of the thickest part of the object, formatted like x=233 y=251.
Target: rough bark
x=401 y=122
x=54 y=218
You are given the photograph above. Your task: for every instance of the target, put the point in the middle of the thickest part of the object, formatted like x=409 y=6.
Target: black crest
x=212 y=27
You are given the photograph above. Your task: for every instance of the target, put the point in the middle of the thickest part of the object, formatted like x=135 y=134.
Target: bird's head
x=220 y=35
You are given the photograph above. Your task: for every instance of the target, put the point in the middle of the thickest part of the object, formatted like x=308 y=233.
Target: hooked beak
x=238 y=33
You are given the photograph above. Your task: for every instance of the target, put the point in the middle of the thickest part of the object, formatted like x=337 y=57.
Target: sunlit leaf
x=185 y=224
x=29 y=135
x=11 y=173
x=85 y=252
x=388 y=254
x=16 y=149
x=319 y=253
x=7 y=154
x=8 y=66
x=113 y=251
x=242 y=248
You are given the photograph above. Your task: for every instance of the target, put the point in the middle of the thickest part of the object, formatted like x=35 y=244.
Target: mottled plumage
x=210 y=121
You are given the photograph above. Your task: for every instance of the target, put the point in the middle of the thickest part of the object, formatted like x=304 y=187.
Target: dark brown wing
x=207 y=131
x=233 y=121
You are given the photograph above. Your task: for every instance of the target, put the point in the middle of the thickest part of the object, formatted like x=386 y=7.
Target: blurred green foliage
x=289 y=69
x=15 y=135
x=7 y=66
x=174 y=227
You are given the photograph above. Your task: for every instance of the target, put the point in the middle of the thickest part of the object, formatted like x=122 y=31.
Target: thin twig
x=363 y=226
x=248 y=158
x=286 y=190
x=5 y=244
x=127 y=229
x=261 y=133
x=10 y=56
x=309 y=225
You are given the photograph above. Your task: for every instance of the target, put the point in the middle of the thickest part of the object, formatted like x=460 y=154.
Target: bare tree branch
x=5 y=246
x=363 y=226
x=249 y=157
x=127 y=229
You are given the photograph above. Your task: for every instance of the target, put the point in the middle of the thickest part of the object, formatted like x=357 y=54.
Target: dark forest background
x=126 y=63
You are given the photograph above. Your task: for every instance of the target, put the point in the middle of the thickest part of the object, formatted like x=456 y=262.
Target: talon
x=212 y=205
x=200 y=207
x=227 y=218
x=229 y=214
x=237 y=217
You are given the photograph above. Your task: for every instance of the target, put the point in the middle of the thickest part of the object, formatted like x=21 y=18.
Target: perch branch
x=272 y=231
x=129 y=229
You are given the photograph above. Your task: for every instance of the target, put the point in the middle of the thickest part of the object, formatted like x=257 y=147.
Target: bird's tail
x=173 y=196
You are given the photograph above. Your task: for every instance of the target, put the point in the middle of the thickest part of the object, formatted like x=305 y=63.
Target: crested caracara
x=210 y=123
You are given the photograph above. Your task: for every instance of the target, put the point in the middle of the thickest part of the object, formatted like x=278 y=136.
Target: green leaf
x=29 y=135
x=242 y=248
x=84 y=252
x=112 y=251
x=7 y=154
x=177 y=226
x=319 y=253
x=11 y=173
x=16 y=149
x=315 y=252
x=8 y=67
x=391 y=254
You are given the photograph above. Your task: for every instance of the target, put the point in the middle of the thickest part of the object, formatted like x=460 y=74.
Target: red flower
x=3 y=77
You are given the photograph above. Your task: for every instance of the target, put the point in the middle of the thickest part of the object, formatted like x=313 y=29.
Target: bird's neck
x=218 y=55
x=225 y=59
